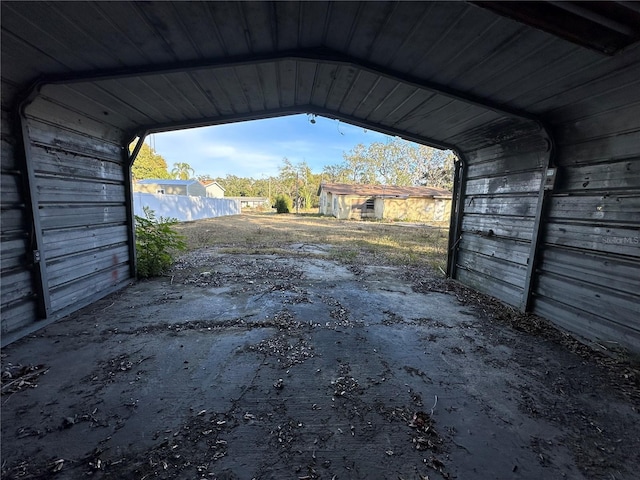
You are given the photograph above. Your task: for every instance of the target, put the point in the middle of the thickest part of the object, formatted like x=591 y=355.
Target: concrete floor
x=297 y=368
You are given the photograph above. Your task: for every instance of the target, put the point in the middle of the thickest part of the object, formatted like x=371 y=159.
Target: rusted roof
x=383 y=190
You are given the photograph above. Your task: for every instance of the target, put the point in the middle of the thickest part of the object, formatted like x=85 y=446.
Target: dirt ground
x=305 y=366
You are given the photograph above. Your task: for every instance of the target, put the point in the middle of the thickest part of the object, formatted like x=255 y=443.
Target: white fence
x=184 y=208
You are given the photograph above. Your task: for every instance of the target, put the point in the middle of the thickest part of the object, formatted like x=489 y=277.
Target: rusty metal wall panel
x=589 y=276
x=79 y=186
x=499 y=203
x=69 y=297
x=79 y=190
x=612 y=176
x=591 y=293
x=14 y=253
x=60 y=243
x=608 y=124
x=17 y=299
x=491 y=285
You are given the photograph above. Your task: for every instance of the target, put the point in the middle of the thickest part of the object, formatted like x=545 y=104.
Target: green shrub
x=283 y=204
x=156 y=244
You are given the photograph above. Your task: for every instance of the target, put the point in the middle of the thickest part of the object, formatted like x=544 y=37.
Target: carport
x=351 y=370
x=540 y=102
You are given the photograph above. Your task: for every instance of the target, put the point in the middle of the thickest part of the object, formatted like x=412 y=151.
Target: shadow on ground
x=278 y=367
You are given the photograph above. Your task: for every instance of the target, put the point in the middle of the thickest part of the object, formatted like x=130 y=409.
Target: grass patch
x=344 y=255
x=352 y=241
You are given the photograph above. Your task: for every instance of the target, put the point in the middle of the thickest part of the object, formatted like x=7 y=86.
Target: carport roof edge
x=319 y=56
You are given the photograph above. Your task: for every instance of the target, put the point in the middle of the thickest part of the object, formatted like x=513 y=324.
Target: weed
x=352 y=241
x=344 y=255
x=156 y=243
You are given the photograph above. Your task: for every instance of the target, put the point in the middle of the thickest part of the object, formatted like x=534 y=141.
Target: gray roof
x=448 y=74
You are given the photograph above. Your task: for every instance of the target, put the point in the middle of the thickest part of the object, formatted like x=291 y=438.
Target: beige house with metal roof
x=420 y=204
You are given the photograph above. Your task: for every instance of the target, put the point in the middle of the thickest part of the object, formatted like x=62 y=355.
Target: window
x=370 y=204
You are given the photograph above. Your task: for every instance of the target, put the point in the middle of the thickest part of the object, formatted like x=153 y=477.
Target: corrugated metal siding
x=299 y=84
x=498 y=213
x=81 y=201
x=453 y=43
x=589 y=277
x=18 y=304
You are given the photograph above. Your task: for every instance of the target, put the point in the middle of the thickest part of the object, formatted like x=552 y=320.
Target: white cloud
x=217 y=151
x=254 y=149
x=219 y=160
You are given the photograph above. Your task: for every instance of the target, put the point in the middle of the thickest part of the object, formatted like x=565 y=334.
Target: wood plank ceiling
x=450 y=74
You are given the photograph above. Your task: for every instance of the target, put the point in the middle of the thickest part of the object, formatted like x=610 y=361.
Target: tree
x=182 y=171
x=396 y=162
x=335 y=174
x=205 y=178
x=263 y=187
x=438 y=169
x=358 y=166
x=299 y=183
x=235 y=186
x=148 y=164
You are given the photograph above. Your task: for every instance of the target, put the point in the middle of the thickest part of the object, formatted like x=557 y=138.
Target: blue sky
x=256 y=148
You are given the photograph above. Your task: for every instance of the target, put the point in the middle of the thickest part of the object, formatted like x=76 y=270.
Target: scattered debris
x=19 y=377
x=57 y=465
x=345 y=386
x=438 y=466
x=107 y=371
x=288 y=345
x=297 y=434
x=623 y=373
x=225 y=269
x=427 y=438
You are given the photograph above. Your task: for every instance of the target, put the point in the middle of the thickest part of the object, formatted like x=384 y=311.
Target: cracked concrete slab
x=265 y=366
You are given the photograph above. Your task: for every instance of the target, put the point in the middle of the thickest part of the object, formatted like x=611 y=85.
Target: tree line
x=150 y=164
x=395 y=162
